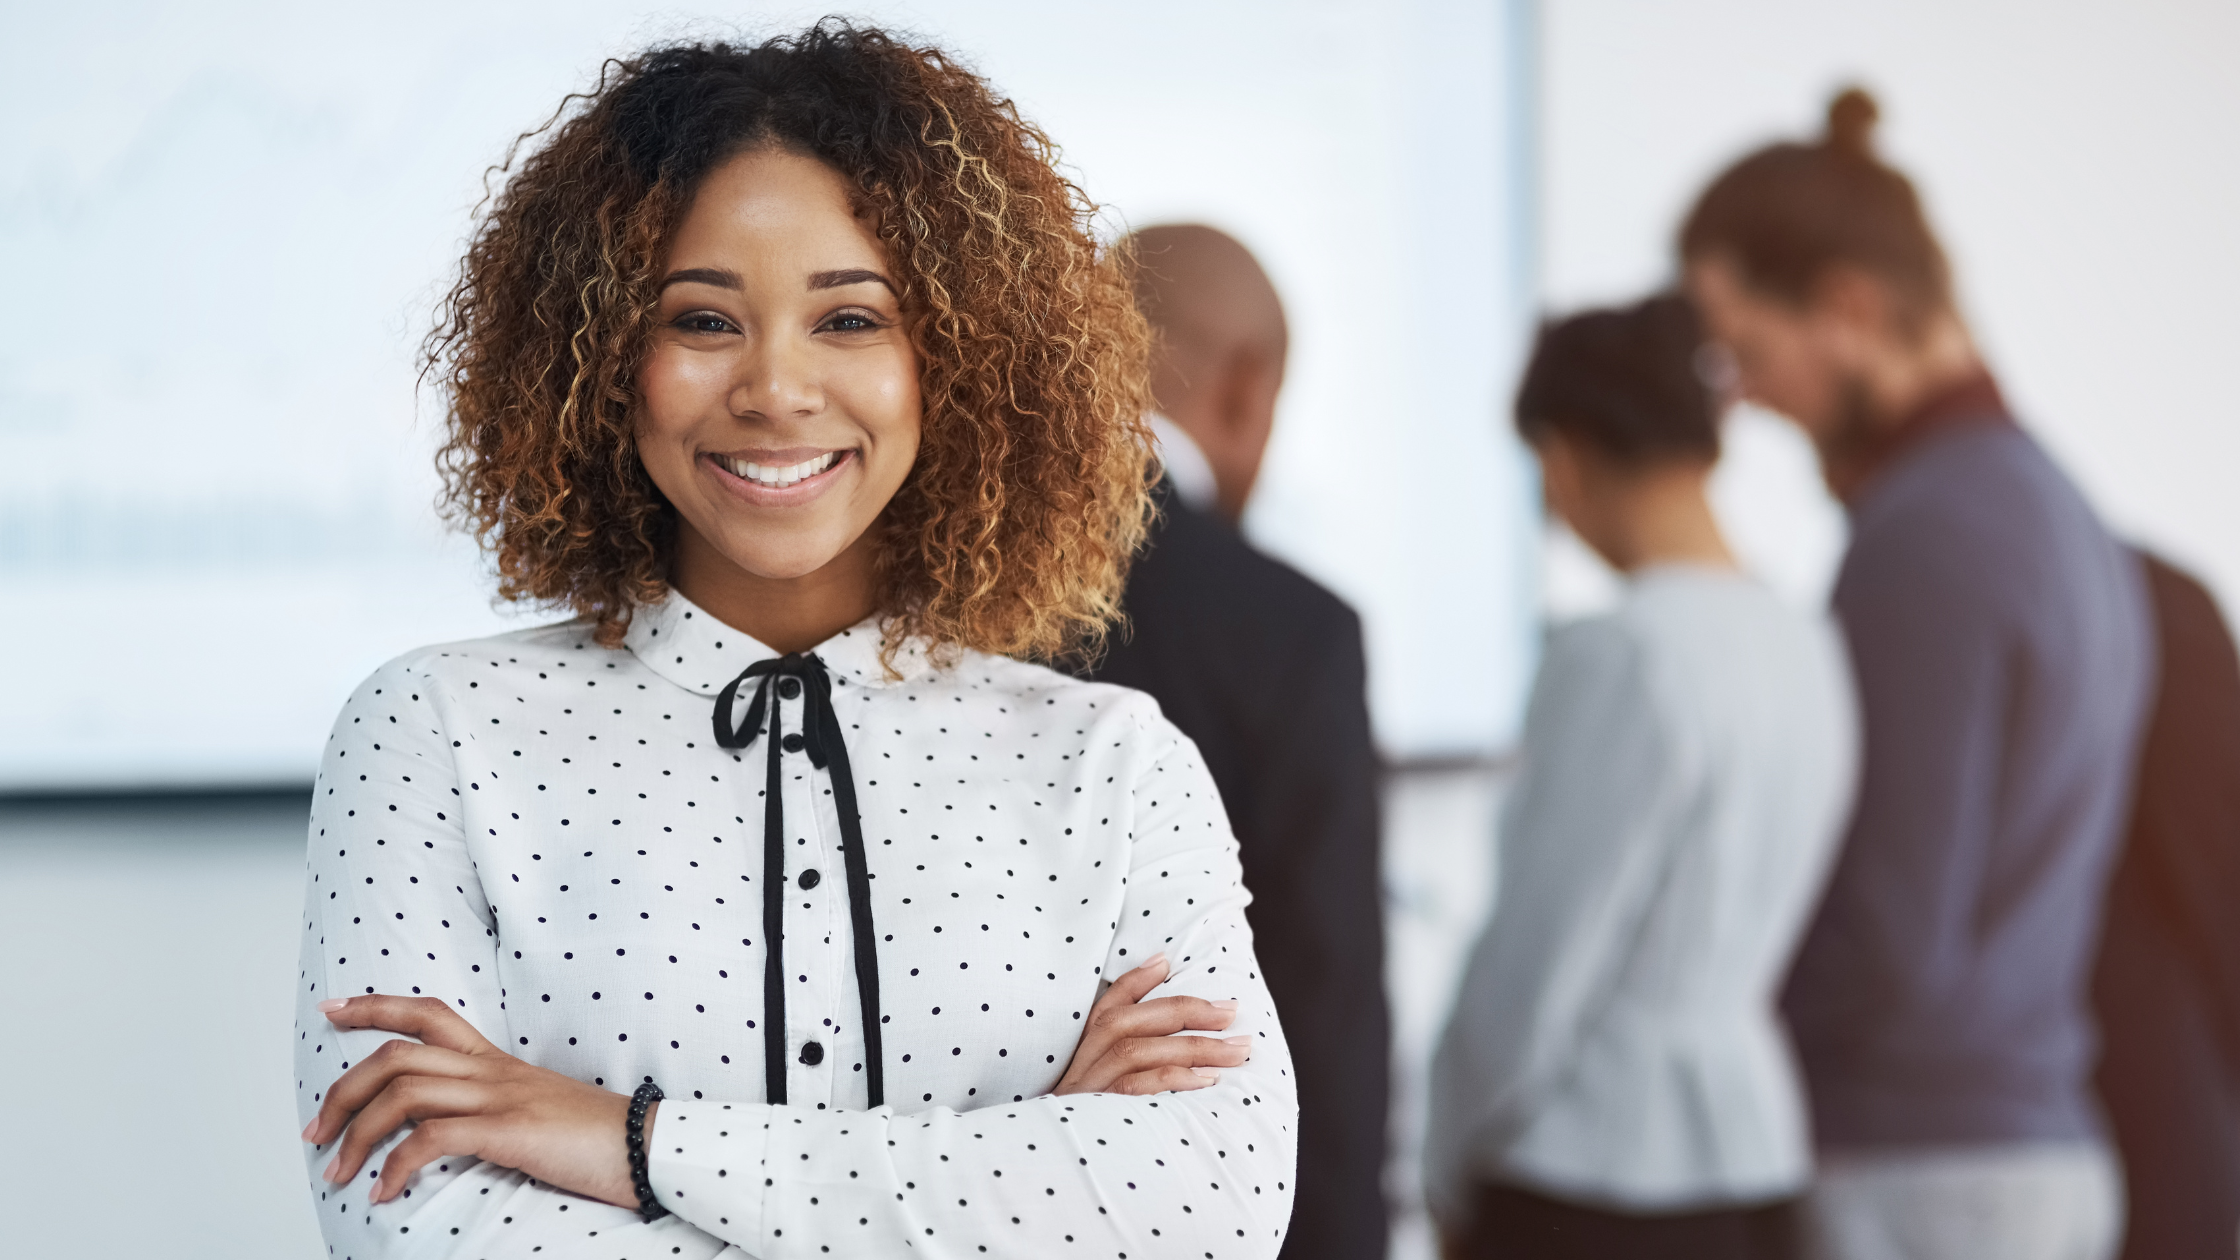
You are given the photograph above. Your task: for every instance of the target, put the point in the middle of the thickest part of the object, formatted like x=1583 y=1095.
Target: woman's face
x=780 y=392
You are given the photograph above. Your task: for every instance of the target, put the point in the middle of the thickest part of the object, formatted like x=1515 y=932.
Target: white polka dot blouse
x=550 y=836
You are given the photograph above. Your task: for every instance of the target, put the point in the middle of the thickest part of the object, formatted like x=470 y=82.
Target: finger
x=433 y=1140
x=1140 y=1054
x=1166 y=1080
x=429 y=1019
x=1122 y=994
x=1132 y=985
x=1157 y=1017
x=408 y=1099
x=372 y=1074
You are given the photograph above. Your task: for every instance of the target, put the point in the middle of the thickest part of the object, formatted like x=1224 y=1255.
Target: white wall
x=224 y=226
x=2077 y=155
x=151 y=972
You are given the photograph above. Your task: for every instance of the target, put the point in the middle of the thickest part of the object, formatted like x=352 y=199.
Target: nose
x=776 y=380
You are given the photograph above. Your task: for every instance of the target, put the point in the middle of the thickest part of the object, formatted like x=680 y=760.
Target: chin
x=783 y=564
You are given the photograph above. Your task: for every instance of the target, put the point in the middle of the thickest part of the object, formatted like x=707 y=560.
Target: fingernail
x=309 y=1128
x=331 y=1005
x=1153 y=961
x=1236 y=1041
x=1224 y=1004
x=333 y=1166
x=1211 y=1074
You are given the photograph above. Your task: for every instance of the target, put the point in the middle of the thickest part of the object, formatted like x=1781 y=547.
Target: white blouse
x=547 y=834
x=1688 y=764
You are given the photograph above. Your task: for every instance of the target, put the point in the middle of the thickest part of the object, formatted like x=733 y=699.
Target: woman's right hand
x=1129 y=1046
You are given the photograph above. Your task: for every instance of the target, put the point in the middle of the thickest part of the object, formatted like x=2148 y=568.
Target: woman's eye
x=703 y=322
x=850 y=321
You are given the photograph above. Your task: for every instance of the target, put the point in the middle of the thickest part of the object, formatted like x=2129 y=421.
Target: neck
x=784 y=614
x=1228 y=411
x=1898 y=382
x=1874 y=406
x=1662 y=517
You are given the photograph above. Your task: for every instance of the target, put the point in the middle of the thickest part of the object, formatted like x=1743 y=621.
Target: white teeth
x=763 y=475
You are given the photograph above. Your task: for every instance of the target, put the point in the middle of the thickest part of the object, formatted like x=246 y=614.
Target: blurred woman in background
x=1614 y=1082
x=795 y=373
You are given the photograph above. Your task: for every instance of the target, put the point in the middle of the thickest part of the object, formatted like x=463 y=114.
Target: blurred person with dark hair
x=2004 y=661
x=1263 y=669
x=2167 y=986
x=1614 y=1082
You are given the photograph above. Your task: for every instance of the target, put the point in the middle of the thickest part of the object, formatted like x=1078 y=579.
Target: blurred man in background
x=1264 y=670
x=2004 y=660
x=1615 y=1083
x=2167 y=987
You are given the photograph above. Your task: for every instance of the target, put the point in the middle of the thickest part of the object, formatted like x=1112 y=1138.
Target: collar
x=1973 y=399
x=680 y=641
x=1186 y=464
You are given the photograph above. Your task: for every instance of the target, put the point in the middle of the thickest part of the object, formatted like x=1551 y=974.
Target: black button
x=789 y=688
x=793 y=742
x=810 y=878
x=812 y=1053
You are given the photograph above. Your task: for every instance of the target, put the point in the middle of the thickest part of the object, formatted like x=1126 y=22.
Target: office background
x=224 y=225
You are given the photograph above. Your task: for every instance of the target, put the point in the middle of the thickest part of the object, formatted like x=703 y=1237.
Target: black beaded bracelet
x=634 y=1136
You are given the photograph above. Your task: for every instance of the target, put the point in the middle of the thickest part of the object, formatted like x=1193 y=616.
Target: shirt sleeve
x=393 y=904
x=1203 y=1173
x=1583 y=841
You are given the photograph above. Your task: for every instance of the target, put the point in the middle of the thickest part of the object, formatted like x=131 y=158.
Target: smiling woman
x=754 y=320
x=1011 y=530
x=795 y=373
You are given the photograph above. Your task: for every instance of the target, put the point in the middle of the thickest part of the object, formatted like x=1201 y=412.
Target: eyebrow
x=716 y=276
x=841 y=279
x=724 y=278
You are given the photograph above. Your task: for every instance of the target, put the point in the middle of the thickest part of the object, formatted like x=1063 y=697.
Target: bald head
x=1221 y=343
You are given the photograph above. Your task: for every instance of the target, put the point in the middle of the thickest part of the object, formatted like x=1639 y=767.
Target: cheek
x=886 y=399
x=677 y=388
x=1777 y=372
x=673 y=391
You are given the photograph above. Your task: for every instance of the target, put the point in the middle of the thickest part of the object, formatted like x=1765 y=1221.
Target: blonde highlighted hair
x=1012 y=533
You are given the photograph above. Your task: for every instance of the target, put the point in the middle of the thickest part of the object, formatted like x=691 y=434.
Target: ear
x=1177 y=372
x=1561 y=478
x=1243 y=413
x=1250 y=381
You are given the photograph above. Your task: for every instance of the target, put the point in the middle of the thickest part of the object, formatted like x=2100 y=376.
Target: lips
x=776 y=476
x=783 y=478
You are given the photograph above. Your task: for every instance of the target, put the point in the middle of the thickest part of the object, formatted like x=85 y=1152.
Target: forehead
x=1713 y=279
x=775 y=207
x=1727 y=302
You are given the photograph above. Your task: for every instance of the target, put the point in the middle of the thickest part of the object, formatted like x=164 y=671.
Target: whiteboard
x=225 y=226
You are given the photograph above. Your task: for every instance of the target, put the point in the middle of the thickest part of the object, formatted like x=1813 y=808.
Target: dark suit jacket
x=1263 y=669
x=2167 y=985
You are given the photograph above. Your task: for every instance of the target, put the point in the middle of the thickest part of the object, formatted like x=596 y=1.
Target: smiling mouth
x=775 y=476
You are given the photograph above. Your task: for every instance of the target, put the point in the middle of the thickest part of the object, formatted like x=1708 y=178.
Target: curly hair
x=1013 y=531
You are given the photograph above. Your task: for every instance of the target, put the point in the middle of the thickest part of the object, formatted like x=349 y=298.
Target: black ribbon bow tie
x=804 y=674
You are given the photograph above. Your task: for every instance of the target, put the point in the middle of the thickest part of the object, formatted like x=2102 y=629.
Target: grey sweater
x=2004 y=659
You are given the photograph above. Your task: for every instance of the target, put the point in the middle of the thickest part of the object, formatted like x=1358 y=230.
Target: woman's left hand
x=469 y=1098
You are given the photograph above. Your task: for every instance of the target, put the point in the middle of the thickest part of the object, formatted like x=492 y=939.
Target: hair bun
x=1851 y=119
